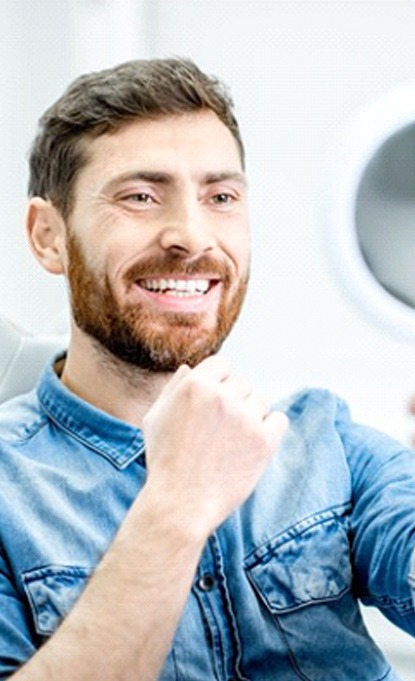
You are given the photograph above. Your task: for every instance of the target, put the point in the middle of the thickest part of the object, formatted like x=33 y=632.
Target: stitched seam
x=297 y=529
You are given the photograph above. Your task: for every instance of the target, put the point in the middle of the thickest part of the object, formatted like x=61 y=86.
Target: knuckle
x=222 y=404
x=195 y=388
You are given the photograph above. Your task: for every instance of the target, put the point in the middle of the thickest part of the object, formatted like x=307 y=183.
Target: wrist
x=165 y=515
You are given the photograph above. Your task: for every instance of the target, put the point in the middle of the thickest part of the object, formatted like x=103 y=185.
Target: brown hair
x=102 y=102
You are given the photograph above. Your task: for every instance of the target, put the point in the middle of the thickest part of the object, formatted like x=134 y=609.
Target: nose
x=187 y=230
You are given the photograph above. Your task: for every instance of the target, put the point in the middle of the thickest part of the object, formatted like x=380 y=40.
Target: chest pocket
x=52 y=591
x=304 y=579
x=303 y=567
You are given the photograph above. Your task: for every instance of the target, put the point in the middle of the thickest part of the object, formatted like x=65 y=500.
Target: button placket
x=212 y=594
x=206 y=582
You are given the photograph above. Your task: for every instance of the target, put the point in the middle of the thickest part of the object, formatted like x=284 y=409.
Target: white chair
x=23 y=356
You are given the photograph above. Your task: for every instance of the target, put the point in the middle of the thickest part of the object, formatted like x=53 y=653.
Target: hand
x=209 y=438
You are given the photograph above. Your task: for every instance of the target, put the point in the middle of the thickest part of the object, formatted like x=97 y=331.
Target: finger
x=276 y=424
x=237 y=387
x=258 y=406
x=215 y=368
x=177 y=378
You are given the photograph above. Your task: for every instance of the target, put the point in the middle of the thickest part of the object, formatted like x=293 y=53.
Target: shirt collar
x=119 y=442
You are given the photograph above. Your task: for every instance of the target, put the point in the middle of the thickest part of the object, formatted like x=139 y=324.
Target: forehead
x=199 y=140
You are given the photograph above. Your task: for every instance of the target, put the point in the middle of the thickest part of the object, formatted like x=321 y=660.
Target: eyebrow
x=163 y=178
x=212 y=178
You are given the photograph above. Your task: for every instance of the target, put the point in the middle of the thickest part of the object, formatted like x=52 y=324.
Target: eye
x=223 y=199
x=140 y=197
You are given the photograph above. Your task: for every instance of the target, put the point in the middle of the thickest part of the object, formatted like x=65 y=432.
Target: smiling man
x=179 y=263
x=159 y=520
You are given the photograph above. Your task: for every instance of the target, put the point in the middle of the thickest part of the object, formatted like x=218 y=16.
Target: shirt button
x=206 y=582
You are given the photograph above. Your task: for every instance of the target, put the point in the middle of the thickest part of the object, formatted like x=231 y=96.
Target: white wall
x=299 y=71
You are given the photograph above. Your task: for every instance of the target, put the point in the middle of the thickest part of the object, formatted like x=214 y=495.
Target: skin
x=201 y=423
x=180 y=217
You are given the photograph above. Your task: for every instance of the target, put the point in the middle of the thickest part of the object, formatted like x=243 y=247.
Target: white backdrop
x=299 y=72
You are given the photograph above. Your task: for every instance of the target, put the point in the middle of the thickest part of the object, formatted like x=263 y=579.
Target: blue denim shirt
x=275 y=597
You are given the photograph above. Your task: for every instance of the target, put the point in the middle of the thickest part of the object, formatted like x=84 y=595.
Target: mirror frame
x=363 y=138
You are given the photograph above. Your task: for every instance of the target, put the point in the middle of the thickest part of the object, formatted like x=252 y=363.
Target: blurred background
x=325 y=96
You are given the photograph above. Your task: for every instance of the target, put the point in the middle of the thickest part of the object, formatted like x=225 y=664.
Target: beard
x=139 y=336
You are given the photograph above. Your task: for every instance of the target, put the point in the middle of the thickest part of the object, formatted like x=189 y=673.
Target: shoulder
x=310 y=397
x=20 y=418
x=316 y=407
x=322 y=416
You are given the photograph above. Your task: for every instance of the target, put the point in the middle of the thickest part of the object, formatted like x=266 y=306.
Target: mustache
x=204 y=264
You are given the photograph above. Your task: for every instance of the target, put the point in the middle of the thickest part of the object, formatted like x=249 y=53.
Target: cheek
x=238 y=250
x=245 y=258
x=236 y=242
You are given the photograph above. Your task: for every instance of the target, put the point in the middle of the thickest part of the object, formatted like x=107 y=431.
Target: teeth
x=177 y=287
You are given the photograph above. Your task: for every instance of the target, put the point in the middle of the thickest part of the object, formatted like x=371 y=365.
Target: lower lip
x=170 y=303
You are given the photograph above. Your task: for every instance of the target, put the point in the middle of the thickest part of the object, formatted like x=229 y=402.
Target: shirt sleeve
x=16 y=635
x=382 y=520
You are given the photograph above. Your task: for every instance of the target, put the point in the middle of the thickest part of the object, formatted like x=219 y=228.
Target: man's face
x=158 y=245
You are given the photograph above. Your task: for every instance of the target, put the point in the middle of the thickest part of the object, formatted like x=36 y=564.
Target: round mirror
x=385 y=215
x=371 y=221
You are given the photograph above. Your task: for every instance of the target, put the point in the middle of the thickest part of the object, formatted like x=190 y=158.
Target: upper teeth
x=186 y=285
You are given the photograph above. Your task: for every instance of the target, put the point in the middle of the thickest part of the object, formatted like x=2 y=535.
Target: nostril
x=179 y=248
x=188 y=239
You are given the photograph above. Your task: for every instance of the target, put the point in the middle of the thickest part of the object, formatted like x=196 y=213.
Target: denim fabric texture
x=276 y=593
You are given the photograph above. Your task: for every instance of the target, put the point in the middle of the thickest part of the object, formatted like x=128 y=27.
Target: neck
x=119 y=389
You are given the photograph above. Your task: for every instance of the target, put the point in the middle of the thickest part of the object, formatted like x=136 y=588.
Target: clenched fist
x=209 y=438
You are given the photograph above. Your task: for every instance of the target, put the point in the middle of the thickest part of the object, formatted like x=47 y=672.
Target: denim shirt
x=275 y=596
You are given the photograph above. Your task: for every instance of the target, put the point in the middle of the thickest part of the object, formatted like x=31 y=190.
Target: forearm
x=382 y=522
x=123 y=625
x=208 y=441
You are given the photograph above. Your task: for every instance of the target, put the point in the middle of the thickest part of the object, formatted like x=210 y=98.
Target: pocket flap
x=52 y=591
x=313 y=566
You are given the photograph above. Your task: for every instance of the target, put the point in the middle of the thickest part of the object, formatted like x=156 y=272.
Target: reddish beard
x=133 y=333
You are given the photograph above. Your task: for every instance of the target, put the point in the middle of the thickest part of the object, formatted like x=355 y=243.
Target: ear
x=46 y=232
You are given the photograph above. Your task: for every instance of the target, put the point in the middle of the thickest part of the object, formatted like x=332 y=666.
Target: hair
x=102 y=102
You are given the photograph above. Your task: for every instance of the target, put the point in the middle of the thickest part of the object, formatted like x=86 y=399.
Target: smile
x=178 y=288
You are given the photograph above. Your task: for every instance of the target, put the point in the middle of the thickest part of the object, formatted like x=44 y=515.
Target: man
x=158 y=519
